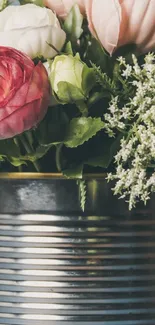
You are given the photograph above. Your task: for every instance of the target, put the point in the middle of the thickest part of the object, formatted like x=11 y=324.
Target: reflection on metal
x=59 y=266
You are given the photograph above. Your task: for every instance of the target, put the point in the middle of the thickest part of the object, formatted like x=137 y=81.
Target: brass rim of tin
x=19 y=175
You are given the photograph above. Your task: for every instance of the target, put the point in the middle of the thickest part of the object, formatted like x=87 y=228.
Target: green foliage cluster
x=73 y=137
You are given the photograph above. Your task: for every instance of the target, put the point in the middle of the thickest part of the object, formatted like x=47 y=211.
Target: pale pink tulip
x=62 y=7
x=119 y=22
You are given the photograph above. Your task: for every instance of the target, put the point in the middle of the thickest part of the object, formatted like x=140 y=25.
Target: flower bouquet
x=77 y=90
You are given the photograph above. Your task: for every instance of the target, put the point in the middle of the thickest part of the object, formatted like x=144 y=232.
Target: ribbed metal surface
x=60 y=267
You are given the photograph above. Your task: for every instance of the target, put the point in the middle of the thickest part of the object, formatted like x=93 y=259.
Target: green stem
x=18 y=145
x=20 y=169
x=29 y=137
x=29 y=150
x=82 y=108
x=58 y=156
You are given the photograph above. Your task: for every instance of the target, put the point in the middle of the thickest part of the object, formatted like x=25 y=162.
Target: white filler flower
x=135 y=161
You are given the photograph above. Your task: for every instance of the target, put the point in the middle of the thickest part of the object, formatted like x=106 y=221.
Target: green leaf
x=74 y=171
x=3 y=4
x=9 y=148
x=52 y=129
x=73 y=24
x=68 y=48
x=68 y=93
x=16 y=161
x=106 y=152
x=97 y=55
x=88 y=79
x=81 y=130
x=35 y=2
x=38 y=154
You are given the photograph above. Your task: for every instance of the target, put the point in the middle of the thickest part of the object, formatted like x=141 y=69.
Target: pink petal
x=88 y=8
x=62 y=7
x=138 y=24
x=21 y=120
x=27 y=101
x=107 y=24
x=57 y=6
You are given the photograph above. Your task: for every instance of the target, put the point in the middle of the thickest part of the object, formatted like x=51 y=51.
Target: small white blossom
x=136 y=67
x=127 y=72
x=121 y=61
x=149 y=58
x=137 y=119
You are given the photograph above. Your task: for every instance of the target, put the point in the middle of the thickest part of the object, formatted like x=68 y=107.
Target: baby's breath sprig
x=137 y=120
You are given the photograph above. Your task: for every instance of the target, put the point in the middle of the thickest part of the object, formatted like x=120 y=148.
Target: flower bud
x=71 y=79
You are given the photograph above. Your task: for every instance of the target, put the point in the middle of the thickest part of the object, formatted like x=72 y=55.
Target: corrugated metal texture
x=61 y=267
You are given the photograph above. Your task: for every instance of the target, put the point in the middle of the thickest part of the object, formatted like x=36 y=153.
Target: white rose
x=47 y=67
x=68 y=69
x=29 y=28
x=70 y=78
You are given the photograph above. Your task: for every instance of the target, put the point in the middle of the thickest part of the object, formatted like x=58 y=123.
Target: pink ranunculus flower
x=24 y=92
x=62 y=7
x=119 y=22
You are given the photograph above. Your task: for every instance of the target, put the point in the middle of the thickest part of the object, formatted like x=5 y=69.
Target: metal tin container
x=59 y=266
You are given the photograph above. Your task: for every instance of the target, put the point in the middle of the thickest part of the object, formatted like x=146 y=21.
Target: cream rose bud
x=71 y=79
x=30 y=29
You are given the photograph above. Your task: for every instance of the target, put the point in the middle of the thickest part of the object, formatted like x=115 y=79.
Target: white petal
x=10 y=38
x=29 y=15
x=34 y=42
x=47 y=67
